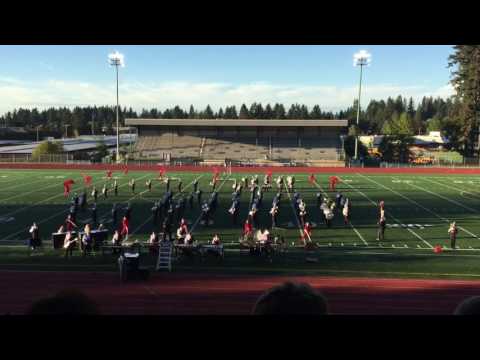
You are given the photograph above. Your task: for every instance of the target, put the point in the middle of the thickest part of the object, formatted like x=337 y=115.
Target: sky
x=165 y=76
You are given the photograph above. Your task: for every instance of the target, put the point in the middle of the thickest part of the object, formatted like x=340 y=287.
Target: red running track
x=248 y=169
x=201 y=294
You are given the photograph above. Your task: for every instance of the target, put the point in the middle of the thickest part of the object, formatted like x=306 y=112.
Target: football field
x=419 y=209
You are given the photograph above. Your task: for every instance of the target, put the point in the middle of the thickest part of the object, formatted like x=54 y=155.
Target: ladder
x=164 y=261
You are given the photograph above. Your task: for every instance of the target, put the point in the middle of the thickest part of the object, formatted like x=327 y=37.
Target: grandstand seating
x=239 y=148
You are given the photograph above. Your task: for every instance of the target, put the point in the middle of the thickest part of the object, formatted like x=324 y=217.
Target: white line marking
x=419 y=205
x=390 y=214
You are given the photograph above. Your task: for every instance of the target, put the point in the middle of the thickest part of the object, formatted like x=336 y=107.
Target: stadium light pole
x=116 y=59
x=38 y=127
x=361 y=58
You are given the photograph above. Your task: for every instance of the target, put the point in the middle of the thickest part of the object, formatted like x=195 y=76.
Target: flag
x=109 y=174
x=66 y=186
x=311 y=178
x=333 y=179
x=437 y=249
x=125 y=171
x=87 y=179
x=161 y=172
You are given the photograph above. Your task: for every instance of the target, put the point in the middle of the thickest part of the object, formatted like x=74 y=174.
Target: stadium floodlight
x=361 y=58
x=116 y=59
x=38 y=127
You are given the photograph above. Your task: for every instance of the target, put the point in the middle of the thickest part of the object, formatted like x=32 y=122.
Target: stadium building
x=252 y=141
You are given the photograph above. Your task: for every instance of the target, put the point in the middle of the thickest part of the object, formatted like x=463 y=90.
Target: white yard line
x=64 y=211
x=420 y=206
x=349 y=223
x=445 y=198
x=390 y=214
x=450 y=187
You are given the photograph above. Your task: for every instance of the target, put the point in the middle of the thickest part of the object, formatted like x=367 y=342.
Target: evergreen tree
x=466 y=81
x=279 y=111
x=208 y=113
x=268 y=113
x=244 y=114
x=411 y=108
x=316 y=112
x=192 y=114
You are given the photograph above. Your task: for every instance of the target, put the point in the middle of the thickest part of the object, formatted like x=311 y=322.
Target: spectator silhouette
x=470 y=306
x=291 y=299
x=69 y=302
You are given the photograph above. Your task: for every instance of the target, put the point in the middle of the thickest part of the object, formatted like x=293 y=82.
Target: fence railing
x=23 y=158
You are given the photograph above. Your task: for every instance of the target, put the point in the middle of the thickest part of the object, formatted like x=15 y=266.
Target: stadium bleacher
x=220 y=139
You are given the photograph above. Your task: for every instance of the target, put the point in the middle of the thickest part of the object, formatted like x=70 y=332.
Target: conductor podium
x=99 y=237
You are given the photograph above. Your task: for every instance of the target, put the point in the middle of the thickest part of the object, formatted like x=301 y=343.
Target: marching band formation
x=168 y=212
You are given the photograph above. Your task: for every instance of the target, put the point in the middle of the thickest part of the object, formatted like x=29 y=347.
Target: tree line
x=387 y=116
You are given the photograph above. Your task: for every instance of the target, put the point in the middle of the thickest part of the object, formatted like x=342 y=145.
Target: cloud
x=55 y=93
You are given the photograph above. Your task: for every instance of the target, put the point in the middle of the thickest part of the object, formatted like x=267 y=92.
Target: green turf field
x=418 y=210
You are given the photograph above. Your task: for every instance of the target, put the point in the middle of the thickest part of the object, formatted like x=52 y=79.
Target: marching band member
x=68 y=244
x=195 y=185
x=124 y=230
x=259 y=196
x=452 y=230
x=35 y=240
x=116 y=239
x=234 y=186
x=274 y=214
x=247 y=229
x=87 y=243
x=180 y=186
x=216 y=240
x=153 y=243
x=302 y=212
x=181 y=233
x=132 y=185
x=205 y=213
x=290 y=182
x=346 y=211
x=105 y=191
x=115 y=187
x=167 y=183
x=234 y=211
x=69 y=224
x=189 y=239
x=333 y=180
x=329 y=215
x=381 y=228
x=279 y=182
x=338 y=199
x=149 y=185
x=94 y=193
x=307 y=232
